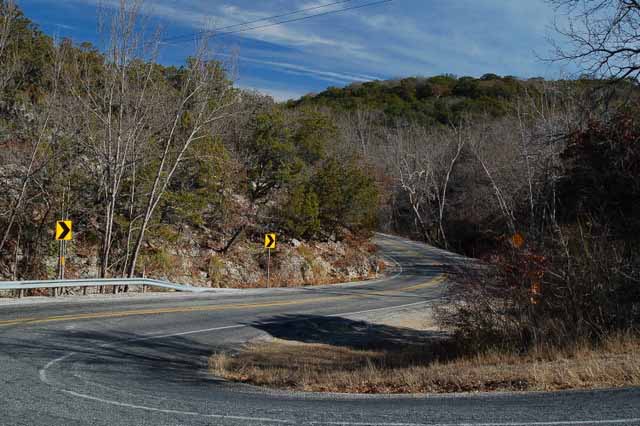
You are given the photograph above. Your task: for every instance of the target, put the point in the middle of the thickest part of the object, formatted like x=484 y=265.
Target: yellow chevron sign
x=64 y=230
x=270 y=241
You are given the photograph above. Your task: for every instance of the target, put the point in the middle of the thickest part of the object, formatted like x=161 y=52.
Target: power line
x=375 y=3
x=269 y=18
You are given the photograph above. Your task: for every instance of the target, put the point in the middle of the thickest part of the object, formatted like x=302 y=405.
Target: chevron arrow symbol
x=63 y=230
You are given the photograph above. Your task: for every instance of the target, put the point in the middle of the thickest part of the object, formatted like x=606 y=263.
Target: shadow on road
x=345 y=332
x=177 y=359
x=181 y=359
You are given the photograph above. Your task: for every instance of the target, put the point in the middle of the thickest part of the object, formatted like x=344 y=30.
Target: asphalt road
x=142 y=360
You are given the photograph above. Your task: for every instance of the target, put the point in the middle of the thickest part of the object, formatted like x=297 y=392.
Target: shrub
x=301 y=214
x=215 y=270
x=347 y=197
x=159 y=263
x=581 y=288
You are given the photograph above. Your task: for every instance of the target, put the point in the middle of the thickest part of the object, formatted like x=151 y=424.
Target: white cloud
x=199 y=15
x=280 y=95
x=338 y=77
x=65 y=27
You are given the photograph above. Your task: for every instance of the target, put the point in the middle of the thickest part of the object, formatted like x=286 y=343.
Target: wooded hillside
x=141 y=155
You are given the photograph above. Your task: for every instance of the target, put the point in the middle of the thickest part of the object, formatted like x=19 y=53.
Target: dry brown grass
x=326 y=368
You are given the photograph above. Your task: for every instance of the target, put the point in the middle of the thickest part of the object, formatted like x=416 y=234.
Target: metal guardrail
x=97 y=282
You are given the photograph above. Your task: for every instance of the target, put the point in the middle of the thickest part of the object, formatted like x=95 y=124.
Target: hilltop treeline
x=441 y=99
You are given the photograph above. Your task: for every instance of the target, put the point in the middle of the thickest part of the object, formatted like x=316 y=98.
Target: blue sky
x=397 y=39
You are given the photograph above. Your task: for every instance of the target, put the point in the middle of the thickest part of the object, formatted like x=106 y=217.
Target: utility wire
x=217 y=34
x=268 y=18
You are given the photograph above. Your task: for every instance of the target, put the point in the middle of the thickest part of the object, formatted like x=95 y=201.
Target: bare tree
x=450 y=159
x=119 y=104
x=203 y=99
x=359 y=127
x=414 y=171
x=136 y=126
x=424 y=164
x=603 y=36
x=543 y=120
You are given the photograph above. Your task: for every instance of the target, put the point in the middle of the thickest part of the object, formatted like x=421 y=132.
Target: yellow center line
x=208 y=308
x=13 y=321
x=435 y=281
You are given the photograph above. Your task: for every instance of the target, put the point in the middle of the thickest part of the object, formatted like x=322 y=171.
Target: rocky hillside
x=293 y=263
x=167 y=171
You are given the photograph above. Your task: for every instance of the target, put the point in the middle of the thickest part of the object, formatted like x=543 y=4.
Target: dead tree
x=204 y=99
x=448 y=159
x=118 y=101
x=602 y=37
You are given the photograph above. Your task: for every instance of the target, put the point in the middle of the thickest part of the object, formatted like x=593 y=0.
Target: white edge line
x=387 y=308
x=167 y=411
x=556 y=423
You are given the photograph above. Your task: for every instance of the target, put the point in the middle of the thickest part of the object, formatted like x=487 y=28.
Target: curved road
x=142 y=360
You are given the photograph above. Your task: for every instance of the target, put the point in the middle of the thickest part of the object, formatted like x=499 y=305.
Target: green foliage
x=198 y=193
x=310 y=138
x=490 y=76
x=466 y=87
x=424 y=91
x=338 y=196
x=446 y=80
x=347 y=196
x=301 y=214
x=441 y=99
x=283 y=146
x=271 y=155
x=29 y=53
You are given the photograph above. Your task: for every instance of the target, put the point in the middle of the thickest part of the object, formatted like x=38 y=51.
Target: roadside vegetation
x=433 y=368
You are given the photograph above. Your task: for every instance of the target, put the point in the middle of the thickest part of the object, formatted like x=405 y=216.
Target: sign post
x=64 y=233
x=269 y=243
